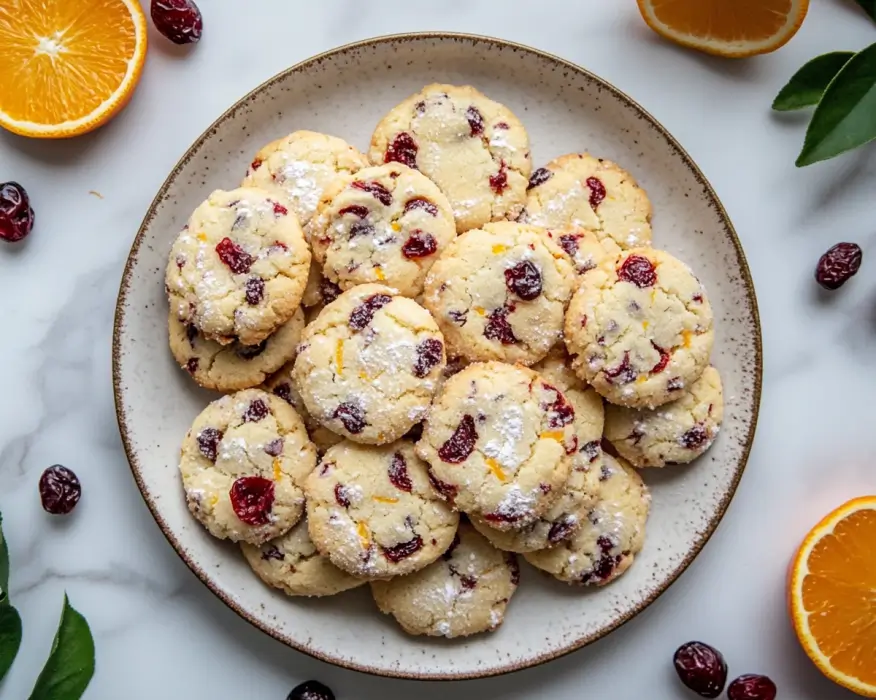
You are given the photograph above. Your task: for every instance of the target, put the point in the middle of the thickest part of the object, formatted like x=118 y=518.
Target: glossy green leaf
x=869 y=6
x=846 y=116
x=808 y=84
x=4 y=567
x=10 y=637
x=71 y=662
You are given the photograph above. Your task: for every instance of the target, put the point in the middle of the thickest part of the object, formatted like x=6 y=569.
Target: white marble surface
x=159 y=632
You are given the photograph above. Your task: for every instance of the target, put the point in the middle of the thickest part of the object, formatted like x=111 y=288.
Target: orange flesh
x=738 y=20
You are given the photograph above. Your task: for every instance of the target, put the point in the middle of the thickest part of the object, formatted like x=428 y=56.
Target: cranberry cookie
x=676 y=432
x=474 y=149
x=239 y=268
x=373 y=512
x=498 y=441
x=639 y=328
x=463 y=593
x=387 y=224
x=592 y=193
x=243 y=464
x=500 y=292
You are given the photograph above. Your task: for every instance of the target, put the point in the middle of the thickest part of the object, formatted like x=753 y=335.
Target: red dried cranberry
x=569 y=243
x=252 y=498
x=398 y=473
x=255 y=412
x=701 y=668
x=272 y=553
x=662 y=362
x=675 y=384
x=502 y=126
x=363 y=314
x=639 y=271
x=274 y=447
x=352 y=416
x=560 y=411
x=256 y=164
x=695 y=437
x=524 y=280
x=279 y=209
x=467 y=582
x=461 y=444
x=192 y=365
x=235 y=257
x=311 y=690
x=499 y=181
x=752 y=687
x=420 y=244
x=403 y=149
x=636 y=434
x=421 y=203
x=838 y=264
x=404 y=550
x=178 y=20
x=375 y=189
x=429 y=354
x=208 y=442
x=502 y=517
x=248 y=352
x=447 y=491
x=475 y=120
x=597 y=191
x=361 y=228
x=561 y=529
x=539 y=177
x=591 y=450
x=284 y=391
x=16 y=214
x=341 y=496
x=498 y=328
x=624 y=373
x=511 y=560
x=60 y=490
x=356 y=210
x=328 y=291
x=255 y=291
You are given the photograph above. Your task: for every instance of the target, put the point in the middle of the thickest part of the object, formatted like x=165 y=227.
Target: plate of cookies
x=436 y=356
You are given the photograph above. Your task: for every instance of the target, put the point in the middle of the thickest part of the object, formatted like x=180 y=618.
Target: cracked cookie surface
x=592 y=193
x=243 y=464
x=498 y=441
x=583 y=247
x=239 y=268
x=677 y=432
x=373 y=512
x=465 y=592
x=473 y=148
x=386 y=224
x=500 y=292
x=639 y=328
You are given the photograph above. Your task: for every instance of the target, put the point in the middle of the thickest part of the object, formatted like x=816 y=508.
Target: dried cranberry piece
x=838 y=265
x=272 y=552
x=624 y=373
x=498 y=328
x=255 y=291
x=279 y=209
x=361 y=228
x=502 y=126
x=191 y=334
x=524 y=279
x=311 y=690
x=458 y=317
x=352 y=416
x=664 y=359
x=16 y=214
x=192 y=365
x=60 y=490
x=591 y=450
x=539 y=177
x=560 y=411
x=255 y=412
x=561 y=529
x=467 y=582
x=636 y=434
x=178 y=20
x=398 y=473
x=208 y=442
x=284 y=391
x=328 y=291
x=375 y=189
x=274 y=447
x=403 y=149
x=502 y=517
x=694 y=438
x=569 y=243
x=447 y=491
x=235 y=257
x=475 y=120
x=341 y=496
x=461 y=444
x=752 y=687
x=363 y=314
x=701 y=668
x=428 y=356
x=256 y=164
x=511 y=560
x=675 y=384
x=252 y=498
x=402 y=551
x=639 y=271
x=597 y=191
x=356 y=210
x=248 y=352
x=499 y=181
x=421 y=203
x=420 y=244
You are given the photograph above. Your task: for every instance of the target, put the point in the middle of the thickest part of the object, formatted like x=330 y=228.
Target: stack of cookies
x=424 y=353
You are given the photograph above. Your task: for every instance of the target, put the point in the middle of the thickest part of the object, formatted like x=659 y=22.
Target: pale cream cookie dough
x=584 y=248
x=473 y=148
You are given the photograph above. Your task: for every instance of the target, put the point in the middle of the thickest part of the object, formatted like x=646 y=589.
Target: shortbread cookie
x=387 y=224
x=605 y=545
x=499 y=293
x=281 y=384
x=463 y=593
x=292 y=564
x=473 y=148
x=373 y=512
x=243 y=464
x=369 y=364
x=639 y=328
x=239 y=268
x=498 y=441
x=677 y=432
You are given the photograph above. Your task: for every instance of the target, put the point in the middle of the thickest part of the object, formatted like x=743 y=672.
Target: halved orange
x=732 y=28
x=832 y=595
x=68 y=66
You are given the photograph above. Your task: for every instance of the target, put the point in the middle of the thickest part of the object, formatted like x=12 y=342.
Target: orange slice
x=68 y=66
x=832 y=595
x=733 y=28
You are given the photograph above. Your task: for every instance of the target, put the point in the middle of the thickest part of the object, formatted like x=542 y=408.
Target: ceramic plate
x=566 y=109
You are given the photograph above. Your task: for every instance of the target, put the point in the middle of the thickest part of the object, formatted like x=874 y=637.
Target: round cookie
x=293 y=564
x=387 y=224
x=233 y=367
x=373 y=512
x=463 y=593
x=300 y=166
x=592 y=193
x=243 y=464
x=500 y=292
x=239 y=268
x=639 y=328
x=583 y=247
x=676 y=432
x=605 y=545
x=498 y=441
x=473 y=148
x=368 y=365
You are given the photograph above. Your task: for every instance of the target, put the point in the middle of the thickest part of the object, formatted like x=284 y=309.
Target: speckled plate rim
x=729 y=231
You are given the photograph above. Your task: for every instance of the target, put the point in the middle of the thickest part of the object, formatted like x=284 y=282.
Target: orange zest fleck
x=202 y=237
x=339 y=357
x=214 y=499
x=363 y=534
x=396 y=226
x=480 y=311
x=496 y=469
x=685 y=338
x=499 y=248
x=641 y=379
x=645 y=325
x=278 y=473
x=384 y=499
x=378 y=272
x=552 y=435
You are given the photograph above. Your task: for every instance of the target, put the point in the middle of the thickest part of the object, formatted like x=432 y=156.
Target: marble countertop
x=158 y=631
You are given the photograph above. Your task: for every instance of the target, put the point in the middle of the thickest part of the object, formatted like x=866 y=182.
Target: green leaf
x=71 y=662
x=808 y=84
x=869 y=7
x=4 y=567
x=846 y=116
x=10 y=637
